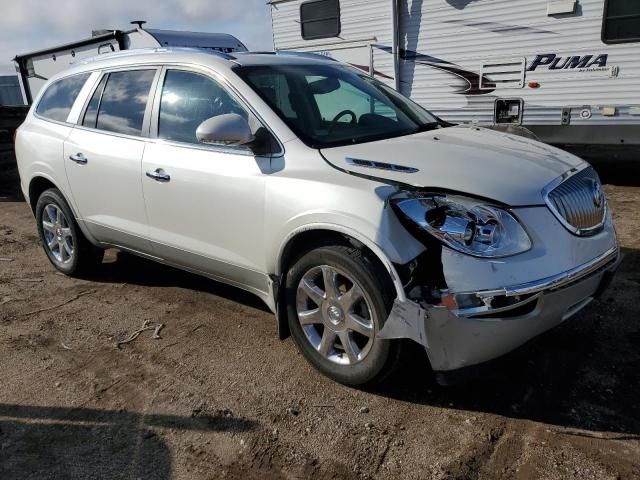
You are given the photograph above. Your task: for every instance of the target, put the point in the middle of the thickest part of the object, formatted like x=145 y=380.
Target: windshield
x=332 y=105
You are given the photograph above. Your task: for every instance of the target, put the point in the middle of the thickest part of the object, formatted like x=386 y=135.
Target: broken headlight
x=465 y=224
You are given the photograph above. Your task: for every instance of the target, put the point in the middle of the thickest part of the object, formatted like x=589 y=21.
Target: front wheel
x=337 y=303
x=63 y=242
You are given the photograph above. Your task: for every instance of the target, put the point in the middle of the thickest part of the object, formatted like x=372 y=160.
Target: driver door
x=205 y=203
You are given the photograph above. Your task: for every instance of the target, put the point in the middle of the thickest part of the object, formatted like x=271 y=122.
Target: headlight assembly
x=465 y=225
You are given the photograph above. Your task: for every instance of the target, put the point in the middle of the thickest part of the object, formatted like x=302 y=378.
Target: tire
x=62 y=240
x=367 y=359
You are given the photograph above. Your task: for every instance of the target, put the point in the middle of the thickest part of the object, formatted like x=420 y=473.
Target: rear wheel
x=338 y=302
x=63 y=242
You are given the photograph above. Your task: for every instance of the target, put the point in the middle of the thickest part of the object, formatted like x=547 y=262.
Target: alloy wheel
x=335 y=315
x=58 y=235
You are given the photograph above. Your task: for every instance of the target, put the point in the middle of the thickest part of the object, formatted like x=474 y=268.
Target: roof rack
x=293 y=53
x=139 y=51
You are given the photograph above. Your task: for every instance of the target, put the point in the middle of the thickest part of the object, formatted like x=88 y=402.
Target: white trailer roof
x=176 y=38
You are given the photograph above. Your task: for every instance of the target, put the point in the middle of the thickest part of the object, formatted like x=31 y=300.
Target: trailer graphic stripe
x=366 y=69
x=496 y=27
x=472 y=78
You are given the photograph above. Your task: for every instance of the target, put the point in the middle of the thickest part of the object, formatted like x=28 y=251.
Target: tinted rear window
x=58 y=99
x=124 y=101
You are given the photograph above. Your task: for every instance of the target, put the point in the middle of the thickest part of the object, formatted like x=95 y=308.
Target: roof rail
x=139 y=51
x=315 y=56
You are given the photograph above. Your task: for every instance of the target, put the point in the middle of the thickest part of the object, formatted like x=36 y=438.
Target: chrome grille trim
x=572 y=199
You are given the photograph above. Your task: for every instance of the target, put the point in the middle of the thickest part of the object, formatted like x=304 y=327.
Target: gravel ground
x=218 y=396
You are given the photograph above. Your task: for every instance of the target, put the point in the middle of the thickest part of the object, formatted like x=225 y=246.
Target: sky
x=30 y=25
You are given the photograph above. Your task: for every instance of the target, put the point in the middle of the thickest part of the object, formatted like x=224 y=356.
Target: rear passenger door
x=103 y=157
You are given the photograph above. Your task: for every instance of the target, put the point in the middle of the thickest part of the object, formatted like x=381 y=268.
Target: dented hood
x=475 y=161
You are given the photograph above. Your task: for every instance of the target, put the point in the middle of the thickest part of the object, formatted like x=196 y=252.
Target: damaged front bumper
x=498 y=320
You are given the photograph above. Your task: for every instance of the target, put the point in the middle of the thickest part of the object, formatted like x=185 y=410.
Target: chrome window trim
x=209 y=72
x=111 y=134
x=546 y=191
x=244 y=151
x=58 y=122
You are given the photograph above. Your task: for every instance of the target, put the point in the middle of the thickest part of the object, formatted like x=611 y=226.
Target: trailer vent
x=502 y=74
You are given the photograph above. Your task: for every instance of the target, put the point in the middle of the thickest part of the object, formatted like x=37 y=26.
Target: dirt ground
x=218 y=396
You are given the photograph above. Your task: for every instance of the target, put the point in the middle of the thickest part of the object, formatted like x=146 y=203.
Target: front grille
x=579 y=203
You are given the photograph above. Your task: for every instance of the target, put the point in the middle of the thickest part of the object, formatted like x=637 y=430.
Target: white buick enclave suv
x=359 y=218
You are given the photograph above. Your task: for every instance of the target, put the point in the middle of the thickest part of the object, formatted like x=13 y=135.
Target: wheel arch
x=38 y=184
x=312 y=236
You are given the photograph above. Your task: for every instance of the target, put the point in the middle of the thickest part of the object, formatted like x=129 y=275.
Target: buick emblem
x=596 y=193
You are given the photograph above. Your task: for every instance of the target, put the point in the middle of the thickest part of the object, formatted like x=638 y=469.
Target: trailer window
x=621 y=22
x=320 y=19
x=57 y=101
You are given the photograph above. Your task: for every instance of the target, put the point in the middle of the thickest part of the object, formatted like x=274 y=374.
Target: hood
x=475 y=161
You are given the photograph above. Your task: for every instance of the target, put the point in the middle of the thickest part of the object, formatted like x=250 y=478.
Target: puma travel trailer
x=566 y=70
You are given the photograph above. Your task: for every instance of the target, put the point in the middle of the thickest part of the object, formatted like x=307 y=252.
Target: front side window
x=58 y=99
x=335 y=105
x=124 y=101
x=320 y=19
x=188 y=99
x=621 y=21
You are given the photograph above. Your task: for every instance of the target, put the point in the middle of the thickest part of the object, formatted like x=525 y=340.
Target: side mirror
x=228 y=129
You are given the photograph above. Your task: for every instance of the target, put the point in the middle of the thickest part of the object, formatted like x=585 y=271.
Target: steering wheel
x=334 y=122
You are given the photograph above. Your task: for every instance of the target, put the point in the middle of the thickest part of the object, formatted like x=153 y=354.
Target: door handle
x=159 y=175
x=78 y=158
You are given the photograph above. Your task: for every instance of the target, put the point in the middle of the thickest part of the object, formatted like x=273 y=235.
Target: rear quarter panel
x=39 y=153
